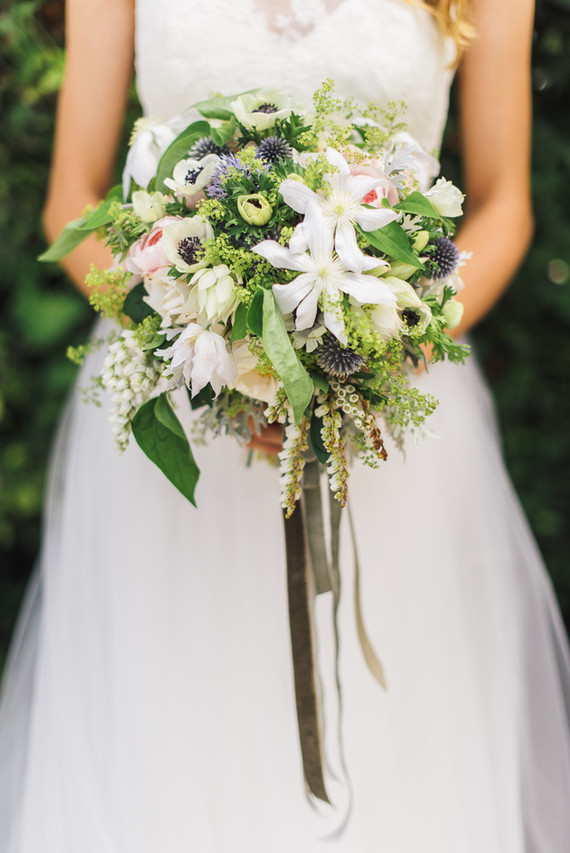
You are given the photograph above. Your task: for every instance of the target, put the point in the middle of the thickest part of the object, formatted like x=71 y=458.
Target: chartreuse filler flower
x=283 y=264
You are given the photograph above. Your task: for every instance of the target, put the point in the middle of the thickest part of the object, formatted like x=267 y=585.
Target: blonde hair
x=453 y=20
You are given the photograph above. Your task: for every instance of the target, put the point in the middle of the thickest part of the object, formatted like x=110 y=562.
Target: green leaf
x=160 y=435
x=418 y=205
x=315 y=434
x=239 y=328
x=255 y=313
x=221 y=135
x=178 y=150
x=320 y=381
x=219 y=107
x=296 y=381
x=77 y=231
x=204 y=397
x=393 y=241
x=134 y=306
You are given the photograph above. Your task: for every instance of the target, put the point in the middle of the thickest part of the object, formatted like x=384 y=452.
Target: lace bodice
x=377 y=50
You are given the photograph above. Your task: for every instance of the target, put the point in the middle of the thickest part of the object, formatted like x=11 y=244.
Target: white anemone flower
x=182 y=242
x=260 y=110
x=324 y=277
x=409 y=304
x=190 y=177
x=342 y=207
x=214 y=294
x=202 y=357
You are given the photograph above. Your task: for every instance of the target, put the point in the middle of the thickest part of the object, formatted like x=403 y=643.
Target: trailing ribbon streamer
x=311 y=573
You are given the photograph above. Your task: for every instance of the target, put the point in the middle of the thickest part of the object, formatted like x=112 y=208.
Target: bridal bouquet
x=283 y=265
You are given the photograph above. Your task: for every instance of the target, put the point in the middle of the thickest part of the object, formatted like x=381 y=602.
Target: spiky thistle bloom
x=206 y=145
x=444 y=257
x=337 y=360
x=274 y=148
x=292 y=463
x=130 y=375
x=230 y=164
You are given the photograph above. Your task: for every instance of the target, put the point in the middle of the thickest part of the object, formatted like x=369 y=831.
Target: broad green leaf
x=393 y=241
x=315 y=428
x=178 y=150
x=134 y=305
x=296 y=381
x=418 y=205
x=160 y=435
x=255 y=314
x=219 y=107
x=204 y=397
x=77 y=231
x=239 y=328
x=320 y=381
x=222 y=134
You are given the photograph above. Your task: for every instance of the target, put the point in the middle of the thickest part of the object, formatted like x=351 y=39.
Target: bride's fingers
x=269 y=439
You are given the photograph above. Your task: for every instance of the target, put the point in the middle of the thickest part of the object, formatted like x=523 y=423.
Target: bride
x=149 y=704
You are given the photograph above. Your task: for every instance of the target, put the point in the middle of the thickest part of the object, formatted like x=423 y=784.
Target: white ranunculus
x=214 y=294
x=260 y=110
x=190 y=177
x=446 y=198
x=171 y=298
x=202 y=356
x=182 y=241
x=149 y=206
x=249 y=380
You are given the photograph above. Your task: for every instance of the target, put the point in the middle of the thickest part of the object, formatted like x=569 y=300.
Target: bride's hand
x=268 y=440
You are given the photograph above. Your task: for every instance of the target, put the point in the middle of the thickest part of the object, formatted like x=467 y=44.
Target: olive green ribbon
x=312 y=572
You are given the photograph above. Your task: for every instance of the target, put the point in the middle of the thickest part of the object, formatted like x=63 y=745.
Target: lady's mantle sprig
x=286 y=266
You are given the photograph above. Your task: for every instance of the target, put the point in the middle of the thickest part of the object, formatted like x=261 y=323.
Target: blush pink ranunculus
x=147 y=255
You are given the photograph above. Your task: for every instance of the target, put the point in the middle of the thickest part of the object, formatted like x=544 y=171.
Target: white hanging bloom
x=130 y=375
x=342 y=208
x=190 y=177
x=202 y=357
x=149 y=207
x=182 y=242
x=446 y=198
x=148 y=143
x=260 y=110
x=324 y=277
x=214 y=294
x=171 y=298
x=387 y=321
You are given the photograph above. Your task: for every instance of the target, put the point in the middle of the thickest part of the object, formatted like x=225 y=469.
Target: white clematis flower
x=324 y=277
x=171 y=298
x=446 y=198
x=190 y=177
x=182 y=242
x=342 y=207
x=202 y=357
x=260 y=110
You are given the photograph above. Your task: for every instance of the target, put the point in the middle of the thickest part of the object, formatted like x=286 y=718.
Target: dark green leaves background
x=523 y=343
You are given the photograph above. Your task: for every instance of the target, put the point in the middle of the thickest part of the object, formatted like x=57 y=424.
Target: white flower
x=446 y=198
x=190 y=177
x=324 y=277
x=452 y=313
x=409 y=304
x=182 y=242
x=386 y=321
x=149 y=206
x=249 y=380
x=260 y=110
x=149 y=142
x=202 y=357
x=406 y=150
x=342 y=208
x=214 y=295
x=171 y=298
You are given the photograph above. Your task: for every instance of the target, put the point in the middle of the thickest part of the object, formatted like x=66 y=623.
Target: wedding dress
x=149 y=706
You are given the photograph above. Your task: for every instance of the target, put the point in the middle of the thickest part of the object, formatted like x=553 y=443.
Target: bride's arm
x=90 y=114
x=495 y=104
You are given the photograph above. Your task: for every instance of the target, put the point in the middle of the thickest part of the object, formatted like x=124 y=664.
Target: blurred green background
x=523 y=343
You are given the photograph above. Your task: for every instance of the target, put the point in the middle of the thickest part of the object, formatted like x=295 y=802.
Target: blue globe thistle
x=229 y=164
x=204 y=146
x=444 y=257
x=337 y=360
x=274 y=148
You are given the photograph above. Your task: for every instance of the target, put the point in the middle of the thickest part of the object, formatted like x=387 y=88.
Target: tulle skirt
x=149 y=703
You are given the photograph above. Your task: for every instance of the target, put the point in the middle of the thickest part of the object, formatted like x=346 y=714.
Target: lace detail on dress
x=294 y=19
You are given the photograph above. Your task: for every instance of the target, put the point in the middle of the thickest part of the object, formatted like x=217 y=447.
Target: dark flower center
x=189 y=249
x=192 y=176
x=411 y=317
x=266 y=108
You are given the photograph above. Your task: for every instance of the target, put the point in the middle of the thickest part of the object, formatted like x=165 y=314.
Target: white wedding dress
x=149 y=704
